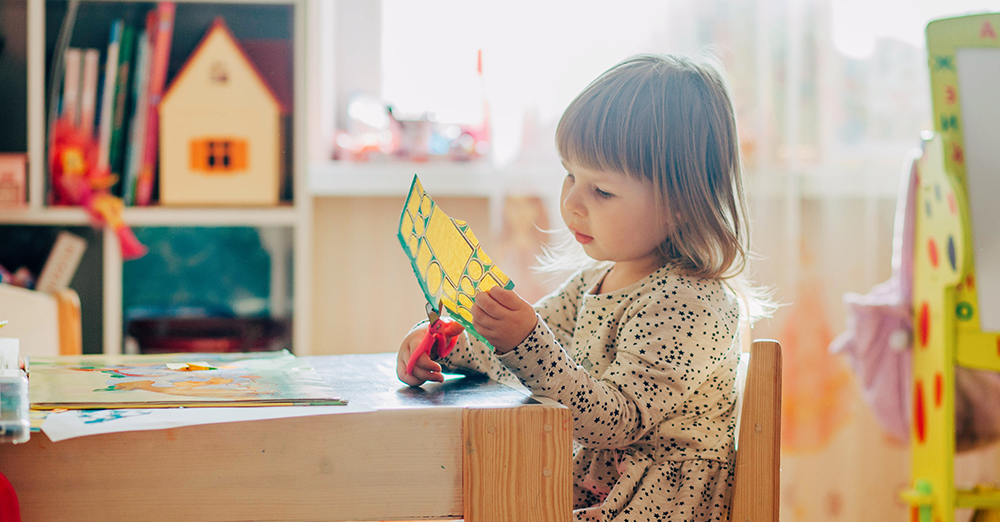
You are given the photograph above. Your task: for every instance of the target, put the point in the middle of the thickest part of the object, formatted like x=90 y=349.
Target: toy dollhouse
x=221 y=129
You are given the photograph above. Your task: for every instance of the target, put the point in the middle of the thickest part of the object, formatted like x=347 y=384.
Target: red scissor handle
x=439 y=340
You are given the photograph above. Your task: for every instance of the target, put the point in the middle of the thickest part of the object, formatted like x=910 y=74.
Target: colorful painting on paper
x=447 y=259
x=143 y=381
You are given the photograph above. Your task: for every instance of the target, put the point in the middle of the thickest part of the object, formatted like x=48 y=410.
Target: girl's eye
x=603 y=194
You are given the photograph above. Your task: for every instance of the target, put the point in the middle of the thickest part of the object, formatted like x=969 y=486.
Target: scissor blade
x=432 y=314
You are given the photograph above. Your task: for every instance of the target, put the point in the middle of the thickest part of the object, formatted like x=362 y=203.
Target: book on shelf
x=119 y=127
x=160 y=27
x=73 y=61
x=137 y=124
x=88 y=90
x=108 y=95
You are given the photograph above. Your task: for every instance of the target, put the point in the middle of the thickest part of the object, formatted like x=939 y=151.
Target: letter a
x=986 y=31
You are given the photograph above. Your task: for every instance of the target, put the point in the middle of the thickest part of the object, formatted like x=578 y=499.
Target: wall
x=365 y=296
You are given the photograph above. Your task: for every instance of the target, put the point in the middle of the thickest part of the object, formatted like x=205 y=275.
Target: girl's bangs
x=599 y=130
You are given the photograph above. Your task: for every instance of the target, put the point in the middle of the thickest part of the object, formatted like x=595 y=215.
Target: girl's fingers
x=427 y=370
x=425 y=362
x=425 y=376
x=409 y=379
x=424 y=369
x=482 y=319
x=405 y=377
x=488 y=305
x=506 y=298
x=401 y=360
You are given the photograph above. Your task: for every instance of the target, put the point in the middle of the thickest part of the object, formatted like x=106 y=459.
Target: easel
x=946 y=306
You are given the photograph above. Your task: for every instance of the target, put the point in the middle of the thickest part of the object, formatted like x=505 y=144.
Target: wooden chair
x=758 y=458
x=46 y=324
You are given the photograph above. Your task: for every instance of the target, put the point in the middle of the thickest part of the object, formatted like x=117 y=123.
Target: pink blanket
x=879 y=337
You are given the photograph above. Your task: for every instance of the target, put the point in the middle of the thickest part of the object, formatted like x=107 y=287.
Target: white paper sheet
x=978 y=77
x=81 y=423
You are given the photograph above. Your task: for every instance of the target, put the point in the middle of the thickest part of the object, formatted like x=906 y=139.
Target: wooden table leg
x=517 y=464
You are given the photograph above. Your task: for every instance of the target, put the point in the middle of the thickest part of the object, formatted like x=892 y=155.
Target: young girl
x=641 y=343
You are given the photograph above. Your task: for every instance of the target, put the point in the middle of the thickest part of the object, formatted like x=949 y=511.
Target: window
x=819 y=89
x=219 y=155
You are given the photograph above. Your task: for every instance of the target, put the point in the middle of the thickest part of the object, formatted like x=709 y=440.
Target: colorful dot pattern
x=446 y=257
x=937 y=262
x=946 y=328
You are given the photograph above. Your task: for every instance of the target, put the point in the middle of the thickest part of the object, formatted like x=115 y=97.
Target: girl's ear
x=669 y=225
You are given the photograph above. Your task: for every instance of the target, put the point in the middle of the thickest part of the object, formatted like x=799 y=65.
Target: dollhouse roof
x=219 y=25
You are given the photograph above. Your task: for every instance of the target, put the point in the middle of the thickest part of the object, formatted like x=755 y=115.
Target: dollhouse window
x=219 y=155
x=219 y=73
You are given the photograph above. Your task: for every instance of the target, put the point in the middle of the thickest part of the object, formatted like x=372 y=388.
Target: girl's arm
x=557 y=309
x=560 y=308
x=668 y=346
x=469 y=356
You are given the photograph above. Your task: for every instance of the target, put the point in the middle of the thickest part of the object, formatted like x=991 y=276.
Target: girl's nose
x=571 y=200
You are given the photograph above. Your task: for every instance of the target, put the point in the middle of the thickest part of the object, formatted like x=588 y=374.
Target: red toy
x=78 y=181
x=10 y=510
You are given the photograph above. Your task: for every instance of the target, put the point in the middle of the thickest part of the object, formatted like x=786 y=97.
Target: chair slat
x=758 y=459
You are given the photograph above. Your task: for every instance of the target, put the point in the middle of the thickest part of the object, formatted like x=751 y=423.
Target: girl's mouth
x=583 y=239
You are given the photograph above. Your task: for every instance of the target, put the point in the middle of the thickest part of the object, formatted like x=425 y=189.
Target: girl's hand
x=503 y=318
x=425 y=369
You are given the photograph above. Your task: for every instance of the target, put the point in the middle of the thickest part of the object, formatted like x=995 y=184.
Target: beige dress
x=649 y=373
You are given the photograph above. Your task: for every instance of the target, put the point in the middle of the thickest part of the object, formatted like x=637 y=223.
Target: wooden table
x=469 y=447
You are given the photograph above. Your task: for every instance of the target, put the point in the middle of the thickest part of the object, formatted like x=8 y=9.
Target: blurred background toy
x=78 y=181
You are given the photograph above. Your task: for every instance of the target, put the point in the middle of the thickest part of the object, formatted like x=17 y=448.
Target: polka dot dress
x=648 y=371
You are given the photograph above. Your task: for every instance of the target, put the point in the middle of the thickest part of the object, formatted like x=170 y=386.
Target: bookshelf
x=290 y=221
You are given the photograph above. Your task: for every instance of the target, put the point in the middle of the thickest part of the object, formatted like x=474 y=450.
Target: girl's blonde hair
x=669 y=120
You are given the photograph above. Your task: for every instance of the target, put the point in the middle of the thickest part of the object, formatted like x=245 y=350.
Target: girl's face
x=614 y=217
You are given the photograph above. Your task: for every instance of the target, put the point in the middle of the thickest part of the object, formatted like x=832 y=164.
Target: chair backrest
x=70 y=322
x=758 y=458
x=46 y=324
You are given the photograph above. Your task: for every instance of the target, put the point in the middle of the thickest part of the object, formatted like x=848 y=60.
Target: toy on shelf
x=77 y=180
x=22 y=277
x=375 y=131
x=221 y=128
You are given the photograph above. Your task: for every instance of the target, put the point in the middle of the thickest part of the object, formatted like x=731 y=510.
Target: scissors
x=440 y=339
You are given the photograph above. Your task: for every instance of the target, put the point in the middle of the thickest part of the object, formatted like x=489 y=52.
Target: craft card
x=446 y=257
x=146 y=381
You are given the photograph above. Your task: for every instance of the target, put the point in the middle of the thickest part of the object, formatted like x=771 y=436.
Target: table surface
x=468 y=446
x=369 y=380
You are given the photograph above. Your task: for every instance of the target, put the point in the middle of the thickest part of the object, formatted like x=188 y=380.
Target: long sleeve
x=557 y=309
x=640 y=358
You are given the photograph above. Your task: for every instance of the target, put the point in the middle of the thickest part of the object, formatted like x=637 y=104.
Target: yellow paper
x=446 y=257
x=190 y=366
